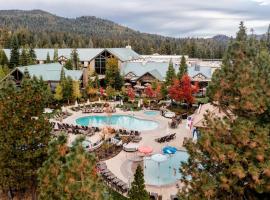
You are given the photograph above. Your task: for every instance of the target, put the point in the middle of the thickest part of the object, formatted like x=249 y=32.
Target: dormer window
x=197 y=68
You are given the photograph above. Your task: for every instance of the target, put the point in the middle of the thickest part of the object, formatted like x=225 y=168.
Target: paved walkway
x=121 y=165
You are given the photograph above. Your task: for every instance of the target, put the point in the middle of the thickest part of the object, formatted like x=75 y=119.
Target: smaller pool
x=151 y=112
x=164 y=173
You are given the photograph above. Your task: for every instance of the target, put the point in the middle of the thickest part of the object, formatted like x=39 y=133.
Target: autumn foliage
x=131 y=93
x=149 y=92
x=183 y=90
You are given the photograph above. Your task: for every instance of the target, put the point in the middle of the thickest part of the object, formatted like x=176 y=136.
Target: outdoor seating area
x=93 y=108
x=113 y=139
x=76 y=129
x=110 y=179
x=61 y=115
x=166 y=138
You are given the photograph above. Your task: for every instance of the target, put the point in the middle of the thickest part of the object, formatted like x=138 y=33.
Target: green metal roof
x=85 y=54
x=124 y=54
x=50 y=72
x=159 y=69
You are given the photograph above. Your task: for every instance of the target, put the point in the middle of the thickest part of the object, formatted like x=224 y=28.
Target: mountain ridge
x=43 y=29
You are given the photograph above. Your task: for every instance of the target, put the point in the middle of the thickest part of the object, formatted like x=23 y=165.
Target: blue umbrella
x=169 y=150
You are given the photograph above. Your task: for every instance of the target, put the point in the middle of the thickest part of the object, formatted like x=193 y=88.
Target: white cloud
x=177 y=18
x=263 y=2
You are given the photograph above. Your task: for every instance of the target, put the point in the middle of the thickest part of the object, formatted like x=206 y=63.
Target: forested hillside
x=42 y=29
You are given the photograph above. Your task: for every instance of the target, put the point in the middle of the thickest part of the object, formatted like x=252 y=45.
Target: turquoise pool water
x=121 y=121
x=151 y=112
x=164 y=173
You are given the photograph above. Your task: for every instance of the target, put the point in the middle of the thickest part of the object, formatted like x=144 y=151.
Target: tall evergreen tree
x=137 y=190
x=68 y=64
x=3 y=58
x=231 y=158
x=182 y=68
x=69 y=173
x=14 y=53
x=242 y=33
x=170 y=75
x=48 y=59
x=32 y=55
x=24 y=135
x=55 y=55
x=24 y=57
x=75 y=59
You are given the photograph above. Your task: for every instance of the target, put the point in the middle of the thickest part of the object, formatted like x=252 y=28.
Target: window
x=100 y=62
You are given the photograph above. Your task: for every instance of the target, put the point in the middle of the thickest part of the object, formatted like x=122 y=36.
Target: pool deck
x=120 y=165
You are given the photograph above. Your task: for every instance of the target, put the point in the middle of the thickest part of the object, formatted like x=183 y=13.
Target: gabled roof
x=157 y=69
x=50 y=72
x=156 y=74
x=204 y=70
x=124 y=54
x=85 y=54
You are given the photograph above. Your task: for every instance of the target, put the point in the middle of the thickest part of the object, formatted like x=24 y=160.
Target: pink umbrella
x=145 y=149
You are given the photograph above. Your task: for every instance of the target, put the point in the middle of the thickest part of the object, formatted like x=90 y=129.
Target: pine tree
x=231 y=158
x=62 y=75
x=68 y=65
x=55 y=55
x=24 y=57
x=14 y=54
x=170 y=75
x=138 y=191
x=48 y=184
x=32 y=55
x=242 y=33
x=113 y=77
x=69 y=173
x=182 y=68
x=75 y=59
x=24 y=135
x=48 y=59
x=3 y=58
x=58 y=93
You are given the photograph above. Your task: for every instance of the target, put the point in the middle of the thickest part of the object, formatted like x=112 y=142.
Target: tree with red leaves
x=188 y=89
x=131 y=93
x=175 y=91
x=183 y=90
x=149 y=92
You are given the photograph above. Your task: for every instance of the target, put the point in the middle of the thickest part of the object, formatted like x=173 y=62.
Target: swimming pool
x=151 y=112
x=164 y=173
x=121 y=121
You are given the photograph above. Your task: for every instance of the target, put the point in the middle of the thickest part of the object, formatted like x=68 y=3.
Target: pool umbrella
x=169 y=150
x=159 y=158
x=145 y=149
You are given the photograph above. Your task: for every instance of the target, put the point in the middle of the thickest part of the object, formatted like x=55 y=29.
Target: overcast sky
x=177 y=18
